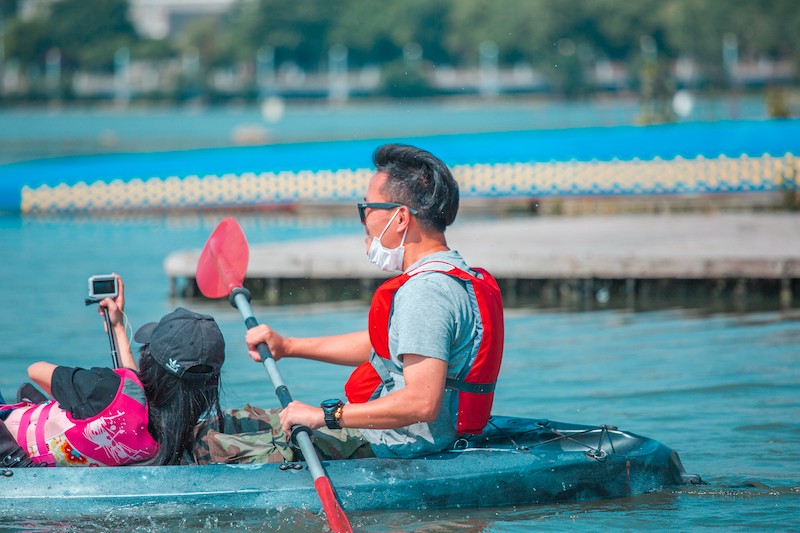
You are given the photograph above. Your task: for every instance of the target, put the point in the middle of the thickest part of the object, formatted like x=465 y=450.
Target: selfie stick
x=111 y=341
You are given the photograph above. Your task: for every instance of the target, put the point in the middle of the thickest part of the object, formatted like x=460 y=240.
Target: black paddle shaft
x=281 y=390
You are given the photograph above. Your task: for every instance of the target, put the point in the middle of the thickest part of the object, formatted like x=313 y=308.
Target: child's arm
x=116 y=307
x=42 y=374
x=124 y=347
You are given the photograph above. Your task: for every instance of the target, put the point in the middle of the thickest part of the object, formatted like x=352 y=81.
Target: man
x=430 y=357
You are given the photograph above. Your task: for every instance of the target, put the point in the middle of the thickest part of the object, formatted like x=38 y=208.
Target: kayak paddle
x=221 y=269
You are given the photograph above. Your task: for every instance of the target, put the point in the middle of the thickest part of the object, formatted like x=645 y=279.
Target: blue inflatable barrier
x=730 y=156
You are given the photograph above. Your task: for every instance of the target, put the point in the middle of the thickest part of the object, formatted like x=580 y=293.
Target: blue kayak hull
x=516 y=461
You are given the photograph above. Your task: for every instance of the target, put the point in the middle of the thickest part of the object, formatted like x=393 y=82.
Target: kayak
x=515 y=461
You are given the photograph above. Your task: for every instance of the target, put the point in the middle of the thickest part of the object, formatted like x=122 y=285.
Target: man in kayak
x=428 y=362
x=110 y=417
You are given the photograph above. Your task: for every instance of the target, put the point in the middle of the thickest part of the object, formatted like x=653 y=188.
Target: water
x=722 y=389
x=34 y=133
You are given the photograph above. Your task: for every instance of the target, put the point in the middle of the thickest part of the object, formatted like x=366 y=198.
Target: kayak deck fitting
x=515 y=461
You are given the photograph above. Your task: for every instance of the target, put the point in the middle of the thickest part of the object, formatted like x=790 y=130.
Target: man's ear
x=403 y=218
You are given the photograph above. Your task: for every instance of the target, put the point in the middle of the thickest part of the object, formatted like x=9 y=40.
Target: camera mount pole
x=111 y=340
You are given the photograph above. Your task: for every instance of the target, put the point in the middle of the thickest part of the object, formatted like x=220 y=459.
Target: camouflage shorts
x=254 y=435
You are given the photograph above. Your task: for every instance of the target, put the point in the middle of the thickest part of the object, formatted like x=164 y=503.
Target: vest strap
x=22 y=430
x=41 y=443
x=475 y=388
x=381 y=367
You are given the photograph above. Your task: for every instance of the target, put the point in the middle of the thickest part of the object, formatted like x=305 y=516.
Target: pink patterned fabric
x=116 y=436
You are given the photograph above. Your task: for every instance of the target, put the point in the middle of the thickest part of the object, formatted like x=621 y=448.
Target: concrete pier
x=740 y=260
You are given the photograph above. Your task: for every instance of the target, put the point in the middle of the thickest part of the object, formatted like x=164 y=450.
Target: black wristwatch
x=333 y=413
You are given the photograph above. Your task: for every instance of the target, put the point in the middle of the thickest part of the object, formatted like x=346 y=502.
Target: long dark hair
x=176 y=407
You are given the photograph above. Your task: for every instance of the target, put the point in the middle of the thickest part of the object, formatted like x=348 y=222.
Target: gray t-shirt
x=433 y=315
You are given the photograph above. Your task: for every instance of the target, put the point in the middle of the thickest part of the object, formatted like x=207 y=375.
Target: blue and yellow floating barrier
x=694 y=158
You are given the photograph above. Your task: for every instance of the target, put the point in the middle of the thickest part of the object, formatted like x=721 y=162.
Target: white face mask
x=387 y=259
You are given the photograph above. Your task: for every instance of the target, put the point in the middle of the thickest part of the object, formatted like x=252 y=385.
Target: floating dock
x=739 y=260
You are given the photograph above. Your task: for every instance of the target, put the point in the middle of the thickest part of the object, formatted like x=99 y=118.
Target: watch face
x=330 y=403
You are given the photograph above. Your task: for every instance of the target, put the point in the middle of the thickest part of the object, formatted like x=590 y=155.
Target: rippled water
x=721 y=389
x=31 y=133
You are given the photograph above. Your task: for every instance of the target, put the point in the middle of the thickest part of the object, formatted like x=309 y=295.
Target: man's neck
x=423 y=248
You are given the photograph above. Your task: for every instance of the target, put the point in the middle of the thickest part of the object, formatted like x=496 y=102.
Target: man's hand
x=299 y=413
x=265 y=334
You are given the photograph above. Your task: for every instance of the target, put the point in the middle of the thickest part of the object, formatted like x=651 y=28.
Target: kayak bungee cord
x=595 y=452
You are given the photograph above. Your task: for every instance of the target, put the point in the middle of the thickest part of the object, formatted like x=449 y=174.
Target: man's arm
x=349 y=349
x=418 y=401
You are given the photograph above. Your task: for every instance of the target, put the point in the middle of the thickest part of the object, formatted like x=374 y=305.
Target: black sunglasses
x=363 y=206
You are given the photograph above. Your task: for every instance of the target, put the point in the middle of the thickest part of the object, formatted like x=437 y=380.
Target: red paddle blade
x=223 y=261
x=333 y=511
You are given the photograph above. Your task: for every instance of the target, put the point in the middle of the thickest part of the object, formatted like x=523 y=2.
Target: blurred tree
x=28 y=42
x=616 y=27
x=401 y=80
x=377 y=32
x=521 y=30
x=153 y=49
x=763 y=29
x=89 y=32
x=296 y=29
x=561 y=40
x=86 y=32
x=8 y=8
x=202 y=36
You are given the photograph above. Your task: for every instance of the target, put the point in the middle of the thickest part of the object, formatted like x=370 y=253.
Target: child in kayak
x=109 y=417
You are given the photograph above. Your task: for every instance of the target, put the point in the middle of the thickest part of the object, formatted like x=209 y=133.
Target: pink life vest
x=476 y=390
x=116 y=436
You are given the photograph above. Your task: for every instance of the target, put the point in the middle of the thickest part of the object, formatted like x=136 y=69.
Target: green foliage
x=295 y=29
x=520 y=29
x=152 y=49
x=376 y=32
x=86 y=33
x=89 y=32
x=561 y=39
x=8 y=8
x=401 y=80
x=28 y=42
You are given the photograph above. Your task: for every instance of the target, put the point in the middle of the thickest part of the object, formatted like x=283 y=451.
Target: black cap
x=188 y=344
